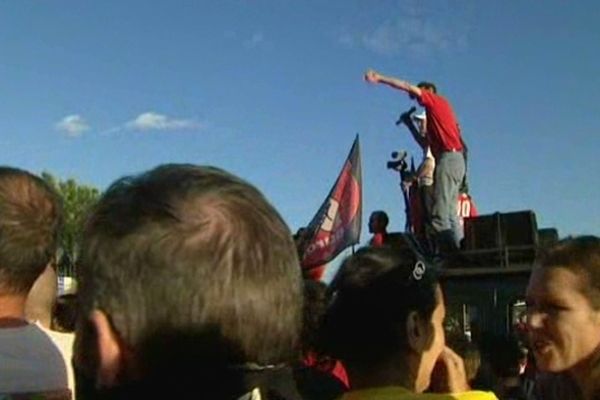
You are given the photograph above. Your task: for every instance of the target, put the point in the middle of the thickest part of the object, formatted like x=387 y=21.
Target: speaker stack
x=501 y=238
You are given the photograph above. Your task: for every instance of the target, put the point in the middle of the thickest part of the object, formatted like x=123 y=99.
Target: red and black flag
x=337 y=223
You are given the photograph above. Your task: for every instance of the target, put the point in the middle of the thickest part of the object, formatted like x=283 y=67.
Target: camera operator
x=421 y=221
x=444 y=138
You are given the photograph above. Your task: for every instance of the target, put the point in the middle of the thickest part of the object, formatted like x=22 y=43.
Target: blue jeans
x=449 y=173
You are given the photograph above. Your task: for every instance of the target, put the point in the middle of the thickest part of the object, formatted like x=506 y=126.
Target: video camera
x=398 y=161
x=406 y=114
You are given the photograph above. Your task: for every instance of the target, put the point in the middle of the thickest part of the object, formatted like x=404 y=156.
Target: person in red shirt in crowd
x=319 y=376
x=446 y=144
x=378 y=222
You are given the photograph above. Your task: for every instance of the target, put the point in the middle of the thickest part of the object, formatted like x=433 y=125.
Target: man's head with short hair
x=427 y=86
x=189 y=251
x=30 y=220
x=378 y=221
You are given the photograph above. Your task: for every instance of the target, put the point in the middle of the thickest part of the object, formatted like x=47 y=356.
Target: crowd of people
x=189 y=285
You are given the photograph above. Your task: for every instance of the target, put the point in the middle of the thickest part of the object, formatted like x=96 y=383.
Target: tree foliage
x=77 y=201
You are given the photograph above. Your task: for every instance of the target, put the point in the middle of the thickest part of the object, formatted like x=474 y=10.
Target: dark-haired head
x=315 y=305
x=427 y=86
x=378 y=221
x=384 y=301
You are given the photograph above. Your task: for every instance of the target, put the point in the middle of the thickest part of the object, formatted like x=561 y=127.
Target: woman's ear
x=109 y=352
x=417 y=332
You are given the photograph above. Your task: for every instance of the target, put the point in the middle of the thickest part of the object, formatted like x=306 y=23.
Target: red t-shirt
x=314 y=273
x=442 y=129
x=329 y=366
x=378 y=239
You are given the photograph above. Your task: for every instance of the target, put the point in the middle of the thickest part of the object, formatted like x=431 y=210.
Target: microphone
x=409 y=112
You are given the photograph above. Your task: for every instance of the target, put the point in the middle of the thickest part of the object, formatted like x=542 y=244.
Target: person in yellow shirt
x=386 y=325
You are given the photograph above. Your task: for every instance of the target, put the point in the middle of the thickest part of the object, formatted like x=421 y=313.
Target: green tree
x=77 y=202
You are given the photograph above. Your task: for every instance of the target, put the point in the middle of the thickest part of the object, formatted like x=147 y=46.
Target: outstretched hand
x=372 y=76
x=449 y=374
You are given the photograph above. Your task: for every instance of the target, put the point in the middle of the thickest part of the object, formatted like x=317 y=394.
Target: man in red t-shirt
x=446 y=144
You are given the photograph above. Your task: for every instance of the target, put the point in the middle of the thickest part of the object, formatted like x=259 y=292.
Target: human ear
x=417 y=333
x=110 y=354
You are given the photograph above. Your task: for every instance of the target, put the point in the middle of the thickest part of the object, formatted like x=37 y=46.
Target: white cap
x=420 y=115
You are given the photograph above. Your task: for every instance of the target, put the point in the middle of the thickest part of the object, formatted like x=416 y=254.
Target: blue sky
x=272 y=91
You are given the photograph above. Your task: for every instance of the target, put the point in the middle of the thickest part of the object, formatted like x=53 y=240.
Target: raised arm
x=375 y=77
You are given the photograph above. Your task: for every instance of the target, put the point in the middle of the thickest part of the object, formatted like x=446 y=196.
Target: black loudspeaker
x=519 y=229
x=547 y=237
x=502 y=237
x=482 y=232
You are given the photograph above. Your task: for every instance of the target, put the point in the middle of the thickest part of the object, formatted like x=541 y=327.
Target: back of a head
x=30 y=219
x=315 y=305
x=374 y=292
x=579 y=254
x=189 y=250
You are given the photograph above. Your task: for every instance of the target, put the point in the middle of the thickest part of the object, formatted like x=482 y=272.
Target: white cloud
x=151 y=121
x=408 y=34
x=256 y=39
x=73 y=125
x=413 y=31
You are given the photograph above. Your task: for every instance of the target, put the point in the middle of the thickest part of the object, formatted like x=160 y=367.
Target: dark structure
x=486 y=299
x=485 y=283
